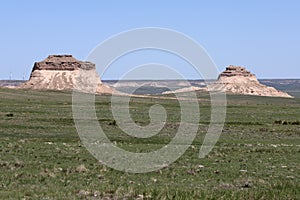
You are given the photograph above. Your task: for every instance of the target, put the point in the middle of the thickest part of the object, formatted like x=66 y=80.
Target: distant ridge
x=11 y=83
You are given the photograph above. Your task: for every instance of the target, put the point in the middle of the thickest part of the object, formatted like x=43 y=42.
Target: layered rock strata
x=238 y=80
x=64 y=72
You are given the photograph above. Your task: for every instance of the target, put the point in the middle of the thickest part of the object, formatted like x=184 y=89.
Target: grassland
x=42 y=157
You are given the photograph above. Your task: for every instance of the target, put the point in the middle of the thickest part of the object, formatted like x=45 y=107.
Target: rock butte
x=64 y=72
x=238 y=80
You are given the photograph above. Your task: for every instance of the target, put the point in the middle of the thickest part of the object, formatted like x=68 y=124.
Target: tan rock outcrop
x=186 y=89
x=64 y=72
x=238 y=80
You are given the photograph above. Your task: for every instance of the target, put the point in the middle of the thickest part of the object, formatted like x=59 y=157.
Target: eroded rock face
x=236 y=71
x=238 y=80
x=64 y=72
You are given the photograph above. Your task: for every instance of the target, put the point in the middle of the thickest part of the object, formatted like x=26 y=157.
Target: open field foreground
x=42 y=157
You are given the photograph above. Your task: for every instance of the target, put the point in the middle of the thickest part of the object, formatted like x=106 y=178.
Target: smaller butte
x=238 y=80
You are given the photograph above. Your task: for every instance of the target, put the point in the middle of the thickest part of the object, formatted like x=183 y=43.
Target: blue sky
x=264 y=36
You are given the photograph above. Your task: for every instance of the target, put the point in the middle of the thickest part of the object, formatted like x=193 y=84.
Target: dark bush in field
x=284 y=122
x=9 y=115
x=113 y=123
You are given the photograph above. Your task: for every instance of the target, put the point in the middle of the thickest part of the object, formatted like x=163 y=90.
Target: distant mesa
x=64 y=72
x=238 y=80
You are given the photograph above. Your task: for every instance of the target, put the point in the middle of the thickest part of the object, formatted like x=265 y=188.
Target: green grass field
x=42 y=157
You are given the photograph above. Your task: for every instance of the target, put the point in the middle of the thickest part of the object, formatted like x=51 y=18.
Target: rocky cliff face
x=64 y=72
x=62 y=63
x=238 y=80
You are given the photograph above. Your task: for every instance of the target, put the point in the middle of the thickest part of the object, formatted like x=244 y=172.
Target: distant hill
x=291 y=86
x=283 y=84
x=5 y=83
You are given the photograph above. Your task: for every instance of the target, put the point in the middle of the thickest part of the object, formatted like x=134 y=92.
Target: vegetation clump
x=284 y=122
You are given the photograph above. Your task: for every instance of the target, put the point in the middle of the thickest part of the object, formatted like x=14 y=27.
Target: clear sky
x=263 y=35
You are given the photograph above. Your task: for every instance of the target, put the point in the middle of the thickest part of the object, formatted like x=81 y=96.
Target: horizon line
x=277 y=78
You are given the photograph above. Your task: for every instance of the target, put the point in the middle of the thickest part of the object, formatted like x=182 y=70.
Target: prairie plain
x=42 y=157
